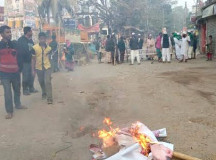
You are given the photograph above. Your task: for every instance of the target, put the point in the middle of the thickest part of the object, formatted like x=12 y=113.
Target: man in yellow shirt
x=43 y=67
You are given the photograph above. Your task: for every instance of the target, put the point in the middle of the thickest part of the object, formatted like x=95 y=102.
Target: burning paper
x=137 y=142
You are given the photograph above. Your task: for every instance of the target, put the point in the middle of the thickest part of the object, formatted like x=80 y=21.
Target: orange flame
x=107 y=121
x=108 y=137
x=142 y=139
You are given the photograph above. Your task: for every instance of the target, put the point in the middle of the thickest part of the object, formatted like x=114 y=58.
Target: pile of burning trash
x=136 y=142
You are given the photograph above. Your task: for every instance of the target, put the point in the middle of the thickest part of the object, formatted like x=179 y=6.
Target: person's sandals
x=44 y=96
x=9 y=116
x=21 y=107
x=33 y=91
x=49 y=101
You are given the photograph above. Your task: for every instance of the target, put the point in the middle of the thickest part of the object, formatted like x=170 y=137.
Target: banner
x=70 y=23
x=92 y=29
x=208 y=11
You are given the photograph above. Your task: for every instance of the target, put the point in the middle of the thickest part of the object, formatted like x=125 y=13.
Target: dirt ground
x=180 y=97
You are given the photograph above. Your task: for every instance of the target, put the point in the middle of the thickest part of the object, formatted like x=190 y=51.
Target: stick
x=179 y=155
x=184 y=156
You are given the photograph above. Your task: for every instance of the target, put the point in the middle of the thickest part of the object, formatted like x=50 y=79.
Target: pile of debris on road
x=136 y=142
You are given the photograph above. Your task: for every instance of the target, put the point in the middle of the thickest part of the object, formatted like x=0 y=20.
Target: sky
x=180 y=2
x=190 y=3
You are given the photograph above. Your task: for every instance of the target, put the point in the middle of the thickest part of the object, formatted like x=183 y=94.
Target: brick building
x=207 y=25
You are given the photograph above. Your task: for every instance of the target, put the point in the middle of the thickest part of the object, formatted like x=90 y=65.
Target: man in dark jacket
x=166 y=44
x=110 y=47
x=134 y=46
x=54 y=54
x=121 y=47
x=25 y=44
x=10 y=71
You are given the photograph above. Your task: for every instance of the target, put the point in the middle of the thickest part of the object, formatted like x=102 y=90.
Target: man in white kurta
x=185 y=46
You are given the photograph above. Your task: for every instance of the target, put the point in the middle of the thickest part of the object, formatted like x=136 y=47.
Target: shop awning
x=209 y=11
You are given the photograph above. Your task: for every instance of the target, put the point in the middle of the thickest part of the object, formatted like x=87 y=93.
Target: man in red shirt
x=9 y=71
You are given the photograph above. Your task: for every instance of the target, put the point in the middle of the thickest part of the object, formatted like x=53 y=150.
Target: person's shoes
x=49 y=101
x=44 y=96
x=21 y=107
x=139 y=63
x=33 y=90
x=26 y=93
x=131 y=64
x=9 y=116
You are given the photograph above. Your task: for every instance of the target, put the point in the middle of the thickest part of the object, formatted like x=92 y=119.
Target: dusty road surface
x=180 y=97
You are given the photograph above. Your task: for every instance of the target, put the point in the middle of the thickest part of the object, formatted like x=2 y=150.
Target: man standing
x=54 y=54
x=210 y=49
x=110 y=47
x=190 y=49
x=43 y=67
x=166 y=44
x=25 y=44
x=10 y=71
x=98 y=49
x=134 y=46
x=185 y=46
x=121 y=47
x=158 y=47
x=140 y=42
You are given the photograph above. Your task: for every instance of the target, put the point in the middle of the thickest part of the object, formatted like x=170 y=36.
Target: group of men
x=118 y=48
x=26 y=58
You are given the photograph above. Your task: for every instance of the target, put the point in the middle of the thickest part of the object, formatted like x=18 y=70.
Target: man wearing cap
x=185 y=46
x=134 y=46
x=166 y=44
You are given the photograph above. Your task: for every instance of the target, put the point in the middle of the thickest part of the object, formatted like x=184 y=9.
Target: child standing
x=43 y=67
x=209 y=49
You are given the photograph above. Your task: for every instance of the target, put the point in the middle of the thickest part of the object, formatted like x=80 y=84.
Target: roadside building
x=206 y=23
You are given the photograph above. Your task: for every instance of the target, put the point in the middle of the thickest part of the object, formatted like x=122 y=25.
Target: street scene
x=107 y=80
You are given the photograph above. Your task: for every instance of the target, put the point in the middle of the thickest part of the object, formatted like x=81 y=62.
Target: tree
x=55 y=8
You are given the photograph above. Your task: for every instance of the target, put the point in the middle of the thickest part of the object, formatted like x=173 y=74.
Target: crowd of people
x=181 y=45
x=22 y=59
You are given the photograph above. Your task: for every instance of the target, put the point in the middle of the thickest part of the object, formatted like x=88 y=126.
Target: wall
x=211 y=30
x=1 y=15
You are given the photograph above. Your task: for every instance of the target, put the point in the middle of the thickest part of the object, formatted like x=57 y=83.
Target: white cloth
x=178 y=49
x=135 y=54
x=185 y=46
x=190 y=52
x=166 y=54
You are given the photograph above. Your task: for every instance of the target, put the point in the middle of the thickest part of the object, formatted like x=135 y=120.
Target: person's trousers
x=99 y=56
x=54 y=63
x=44 y=78
x=209 y=55
x=122 y=54
x=190 y=52
x=159 y=53
x=166 y=54
x=9 y=82
x=27 y=77
x=135 y=54
x=194 y=52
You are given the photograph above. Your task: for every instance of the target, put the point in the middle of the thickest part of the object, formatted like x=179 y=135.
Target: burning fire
x=142 y=139
x=108 y=137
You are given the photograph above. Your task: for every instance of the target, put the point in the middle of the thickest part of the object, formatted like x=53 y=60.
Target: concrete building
x=21 y=13
x=207 y=24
